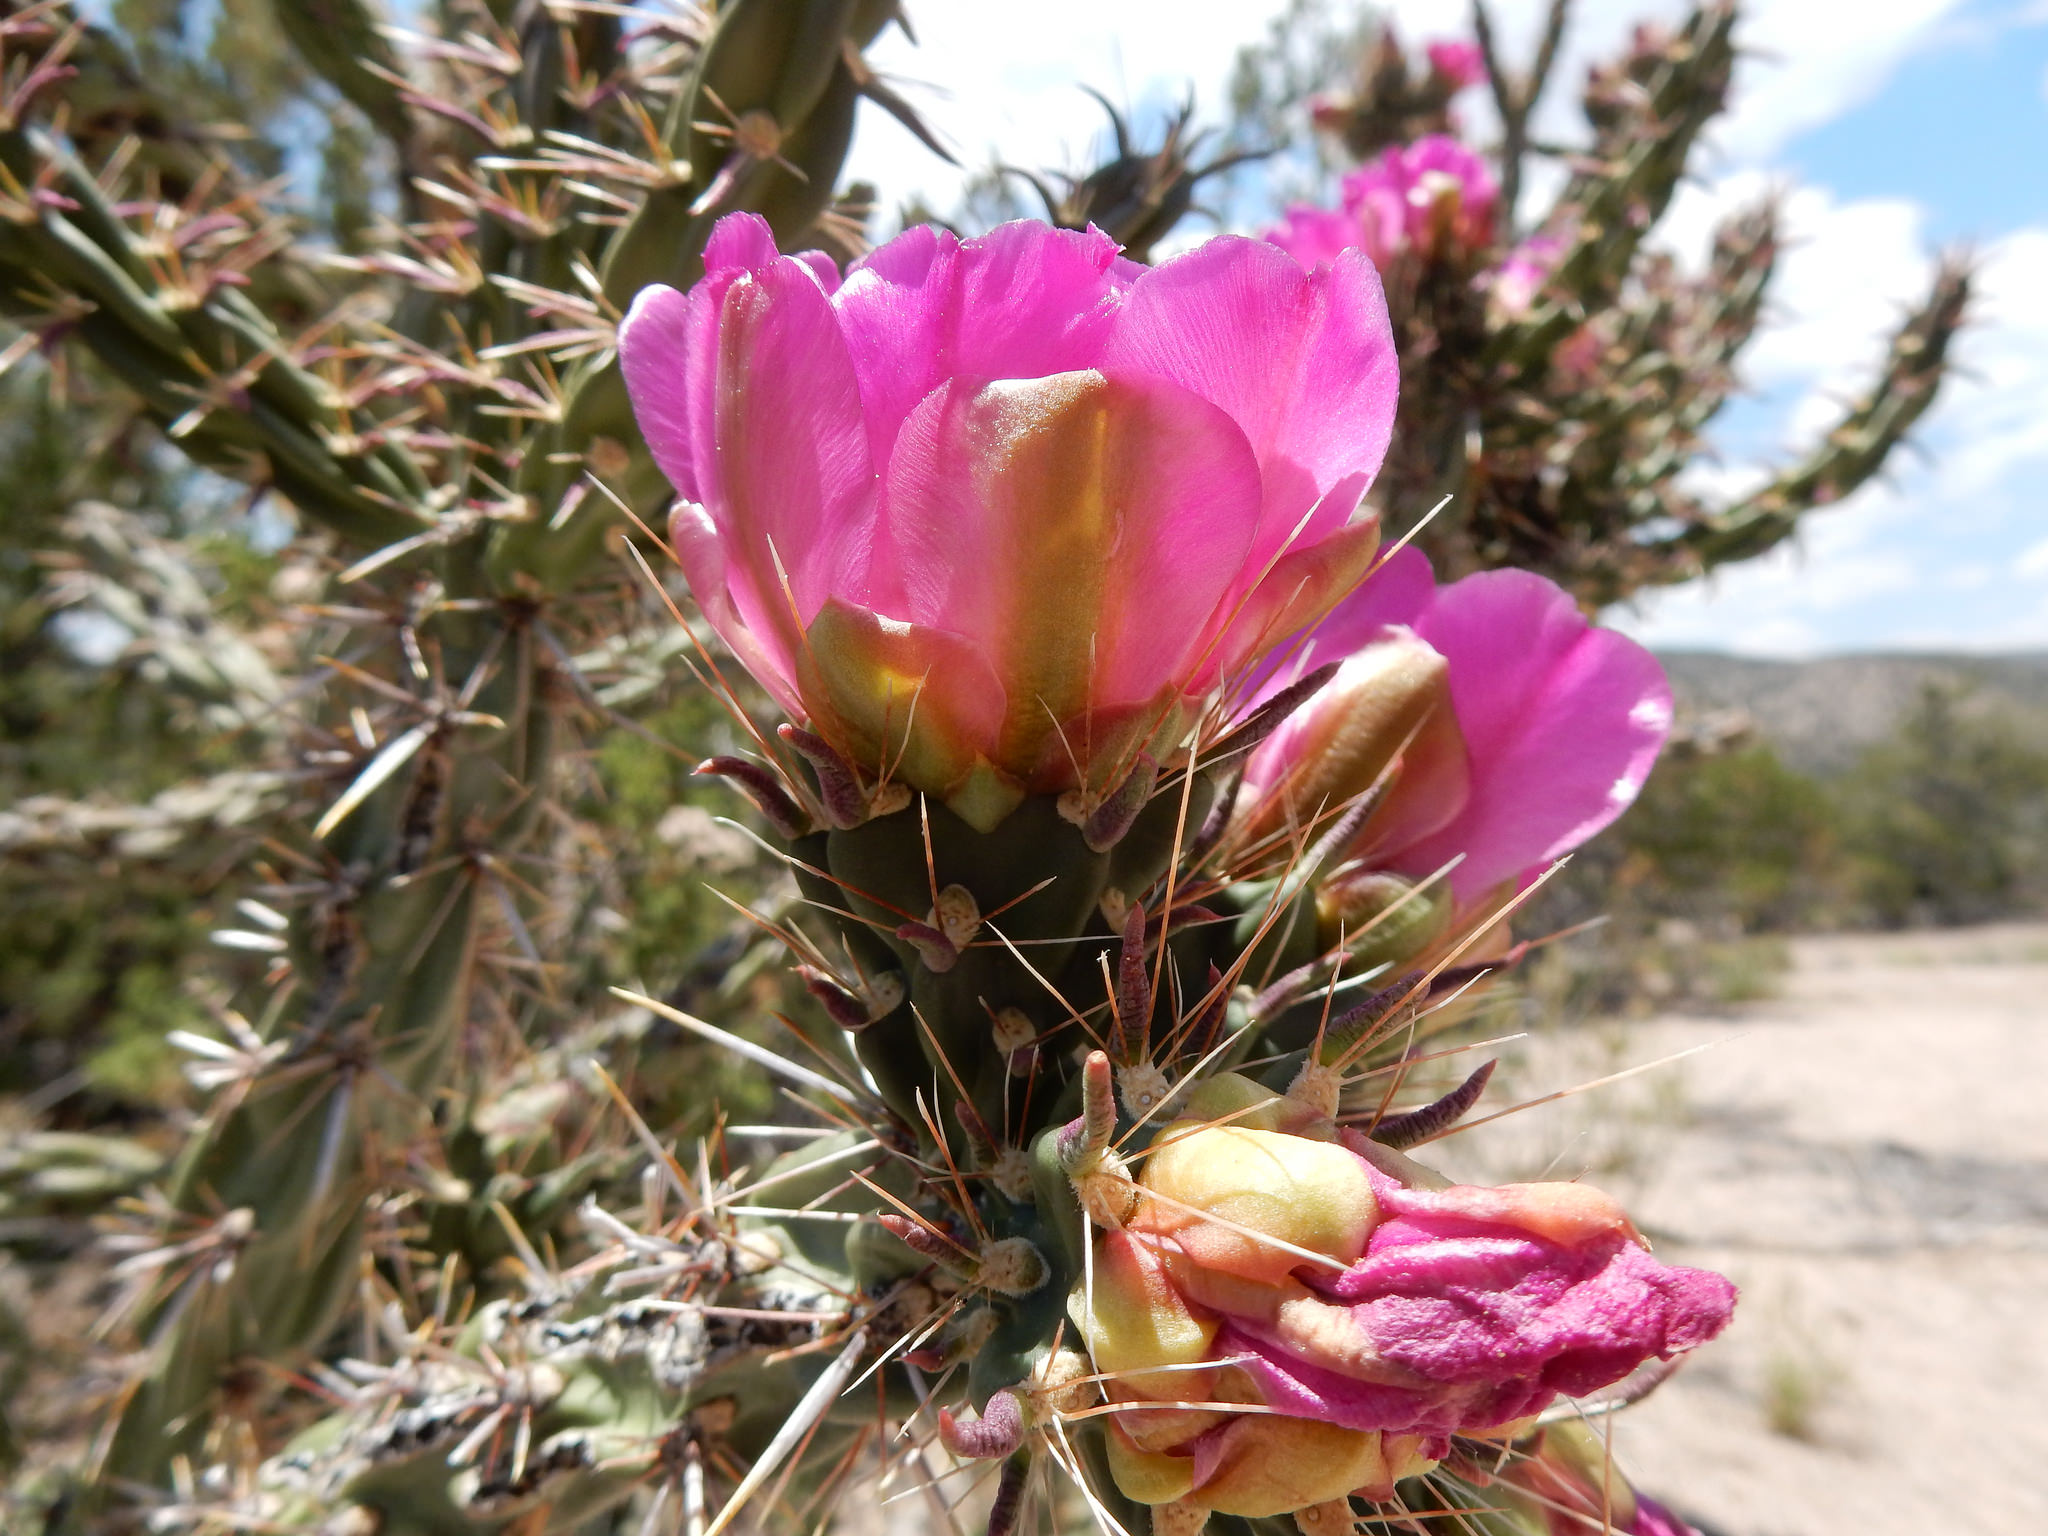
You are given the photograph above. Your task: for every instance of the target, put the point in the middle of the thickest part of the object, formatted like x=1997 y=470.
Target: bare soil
x=1867 y=1156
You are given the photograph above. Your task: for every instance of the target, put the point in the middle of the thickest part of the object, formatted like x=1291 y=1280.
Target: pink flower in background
x=1532 y=728
x=1434 y=196
x=1516 y=281
x=985 y=507
x=1314 y=236
x=1374 y=1312
x=1458 y=60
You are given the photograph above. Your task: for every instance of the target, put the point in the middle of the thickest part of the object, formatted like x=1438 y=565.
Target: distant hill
x=1819 y=714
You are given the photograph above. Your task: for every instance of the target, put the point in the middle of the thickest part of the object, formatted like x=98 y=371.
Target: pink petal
x=1562 y=721
x=1021 y=302
x=747 y=393
x=1568 y=1320
x=1297 y=1386
x=654 y=345
x=1081 y=531
x=1313 y=236
x=1458 y=60
x=1493 y=1324
x=766 y=653
x=1395 y=591
x=1653 y=1519
x=739 y=242
x=823 y=268
x=1303 y=362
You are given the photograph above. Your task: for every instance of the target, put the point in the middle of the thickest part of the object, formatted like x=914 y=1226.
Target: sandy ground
x=1867 y=1156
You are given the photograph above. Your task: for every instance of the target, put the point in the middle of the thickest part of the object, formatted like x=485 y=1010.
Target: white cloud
x=1012 y=74
x=1949 y=552
x=1012 y=78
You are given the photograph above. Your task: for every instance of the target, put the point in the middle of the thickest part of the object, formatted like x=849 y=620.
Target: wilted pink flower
x=989 y=509
x=1516 y=281
x=1373 y=1311
x=1458 y=60
x=1552 y=725
x=1434 y=196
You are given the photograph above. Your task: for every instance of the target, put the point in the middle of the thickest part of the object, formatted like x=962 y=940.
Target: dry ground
x=1867 y=1156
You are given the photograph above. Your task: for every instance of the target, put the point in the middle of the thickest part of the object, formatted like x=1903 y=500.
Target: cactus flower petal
x=753 y=411
x=1078 y=530
x=1434 y=197
x=1305 y=365
x=1551 y=728
x=1021 y=302
x=1059 y=498
x=1563 y=722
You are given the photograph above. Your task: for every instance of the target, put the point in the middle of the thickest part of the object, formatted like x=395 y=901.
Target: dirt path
x=1867 y=1156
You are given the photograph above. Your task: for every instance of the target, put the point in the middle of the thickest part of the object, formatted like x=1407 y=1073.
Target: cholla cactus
x=1152 y=828
x=1044 y=562
x=1558 y=374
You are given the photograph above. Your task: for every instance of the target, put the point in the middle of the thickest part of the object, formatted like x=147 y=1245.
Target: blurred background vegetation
x=1770 y=815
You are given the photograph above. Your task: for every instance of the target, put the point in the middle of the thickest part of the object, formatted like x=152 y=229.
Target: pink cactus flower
x=1002 y=512
x=1551 y=727
x=1458 y=60
x=1372 y=1312
x=1434 y=197
x=1517 y=280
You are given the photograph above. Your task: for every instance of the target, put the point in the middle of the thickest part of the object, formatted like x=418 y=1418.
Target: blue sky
x=1893 y=126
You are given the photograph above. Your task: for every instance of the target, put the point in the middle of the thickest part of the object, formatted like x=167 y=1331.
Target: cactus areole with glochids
x=1151 y=819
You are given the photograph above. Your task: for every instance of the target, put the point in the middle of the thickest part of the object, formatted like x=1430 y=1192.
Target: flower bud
x=1367 y=1316
x=1255 y=1204
x=1338 y=745
x=1458 y=60
x=1381 y=918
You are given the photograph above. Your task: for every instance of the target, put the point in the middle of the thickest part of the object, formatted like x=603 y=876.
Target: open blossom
x=995 y=512
x=1374 y=1312
x=1521 y=729
x=1458 y=60
x=1434 y=196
